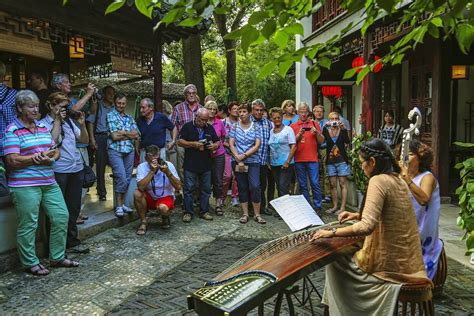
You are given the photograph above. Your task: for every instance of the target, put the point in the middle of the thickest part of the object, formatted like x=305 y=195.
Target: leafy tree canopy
x=277 y=21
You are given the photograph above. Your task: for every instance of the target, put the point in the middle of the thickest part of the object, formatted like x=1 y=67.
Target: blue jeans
x=248 y=183
x=311 y=170
x=190 y=179
x=122 y=168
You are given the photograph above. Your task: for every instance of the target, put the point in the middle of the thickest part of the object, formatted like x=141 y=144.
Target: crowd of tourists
x=248 y=150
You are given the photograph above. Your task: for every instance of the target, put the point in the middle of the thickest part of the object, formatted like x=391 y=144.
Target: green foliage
x=360 y=179
x=278 y=21
x=465 y=194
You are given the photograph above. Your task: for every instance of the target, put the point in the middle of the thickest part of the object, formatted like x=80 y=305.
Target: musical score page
x=296 y=212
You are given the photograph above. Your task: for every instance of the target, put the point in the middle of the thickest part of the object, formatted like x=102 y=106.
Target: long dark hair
x=385 y=162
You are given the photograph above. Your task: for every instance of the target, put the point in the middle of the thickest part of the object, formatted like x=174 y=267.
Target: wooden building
x=80 y=41
x=426 y=78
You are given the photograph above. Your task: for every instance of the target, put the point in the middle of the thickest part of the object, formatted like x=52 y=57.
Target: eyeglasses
x=259 y=110
x=192 y=93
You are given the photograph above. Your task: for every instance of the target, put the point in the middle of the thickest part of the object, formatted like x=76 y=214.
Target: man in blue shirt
x=98 y=136
x=7 y=114
x=152 y=126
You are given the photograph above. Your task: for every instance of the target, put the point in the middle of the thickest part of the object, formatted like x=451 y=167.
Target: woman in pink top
x=218 y=158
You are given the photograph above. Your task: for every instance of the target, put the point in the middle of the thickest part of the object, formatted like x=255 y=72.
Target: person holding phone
x=337 y=160
x=32 y=183
x=199 y=141
x=244 y=142
x=69 y=169
x=157 y=180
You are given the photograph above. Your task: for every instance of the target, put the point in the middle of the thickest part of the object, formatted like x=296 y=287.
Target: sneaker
x=235 y=201
x=187 y=217
x=102 y=198
x=127 y=209
x=119 y=212
x=165 y=222
x=206 y=216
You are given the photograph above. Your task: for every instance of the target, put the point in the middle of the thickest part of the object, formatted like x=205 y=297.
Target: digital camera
x=334 y=124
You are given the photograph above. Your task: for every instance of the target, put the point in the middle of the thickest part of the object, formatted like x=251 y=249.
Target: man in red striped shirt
x=183 y=113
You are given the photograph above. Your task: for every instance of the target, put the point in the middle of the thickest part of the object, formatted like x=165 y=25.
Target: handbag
x=89 y=175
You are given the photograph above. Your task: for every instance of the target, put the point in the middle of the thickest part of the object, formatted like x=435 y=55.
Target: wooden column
x=367 y=86
x=440 y=117
x=158 y=74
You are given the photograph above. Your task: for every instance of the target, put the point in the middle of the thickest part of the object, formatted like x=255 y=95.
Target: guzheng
x=267 y=270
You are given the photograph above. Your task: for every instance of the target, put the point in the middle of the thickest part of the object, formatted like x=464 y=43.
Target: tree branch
x=238 y=18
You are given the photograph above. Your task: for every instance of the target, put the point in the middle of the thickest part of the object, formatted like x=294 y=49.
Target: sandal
x=219 y=211
x=38 y=270
x=259 y=219
x=331 y=210
x=80 y=221
x=65 y=263
x=84 y=217
x=141 y=229
x=244 y=219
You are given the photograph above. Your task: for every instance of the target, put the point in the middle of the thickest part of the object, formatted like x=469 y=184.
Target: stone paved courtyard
x=128 y=274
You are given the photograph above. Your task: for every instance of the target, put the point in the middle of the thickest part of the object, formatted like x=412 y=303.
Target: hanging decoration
x=335 y=91
x=358 y=62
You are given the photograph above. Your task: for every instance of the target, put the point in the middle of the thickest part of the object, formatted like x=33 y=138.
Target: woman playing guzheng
x=369 y=281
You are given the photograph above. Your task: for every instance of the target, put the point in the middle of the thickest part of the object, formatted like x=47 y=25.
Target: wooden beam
x=367 y=87
x=88 y=17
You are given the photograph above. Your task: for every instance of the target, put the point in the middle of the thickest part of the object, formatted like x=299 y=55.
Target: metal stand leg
x=260 y=309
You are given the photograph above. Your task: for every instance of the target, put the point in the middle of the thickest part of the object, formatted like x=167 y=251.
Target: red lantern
x=335 y=91
x=357 y=63
x=379 y=65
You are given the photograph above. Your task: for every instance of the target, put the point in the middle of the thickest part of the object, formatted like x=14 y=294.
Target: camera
x=334 y=124
x=204 y=141
x=73 y=114
x=306 y=129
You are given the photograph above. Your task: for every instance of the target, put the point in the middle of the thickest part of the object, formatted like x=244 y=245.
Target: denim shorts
x=341 y=169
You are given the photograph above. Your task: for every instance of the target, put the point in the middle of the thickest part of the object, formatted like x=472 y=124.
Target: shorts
x=340 y=169
x=153 y=204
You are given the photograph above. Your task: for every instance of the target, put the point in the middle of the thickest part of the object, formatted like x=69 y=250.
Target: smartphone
x=55 y=146
x=306 y=129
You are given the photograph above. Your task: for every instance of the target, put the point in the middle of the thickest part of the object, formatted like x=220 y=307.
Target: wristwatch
x=333 y=230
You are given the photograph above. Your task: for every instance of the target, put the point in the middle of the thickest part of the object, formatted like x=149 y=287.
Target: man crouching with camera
x=156 y=181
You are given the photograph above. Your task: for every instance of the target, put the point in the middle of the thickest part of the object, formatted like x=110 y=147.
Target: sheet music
x=296 y=212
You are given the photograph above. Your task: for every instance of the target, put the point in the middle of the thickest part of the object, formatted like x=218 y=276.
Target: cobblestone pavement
x=128 y=274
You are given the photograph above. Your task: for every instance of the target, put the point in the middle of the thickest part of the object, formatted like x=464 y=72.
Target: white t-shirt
x=279 y=144
x=160 y=186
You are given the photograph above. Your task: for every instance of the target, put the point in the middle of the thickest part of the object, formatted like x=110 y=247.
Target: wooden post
x=158 y=74
x=440 y=115
x=367 y=86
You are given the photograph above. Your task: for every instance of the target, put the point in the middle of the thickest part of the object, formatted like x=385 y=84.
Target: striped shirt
x=245 y=139
x=117 y=122
x=182 y=114
x=20 y=140
x=7 y=110
x=263 y=152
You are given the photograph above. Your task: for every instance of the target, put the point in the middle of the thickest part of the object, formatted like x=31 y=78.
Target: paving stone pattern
x=128 y=274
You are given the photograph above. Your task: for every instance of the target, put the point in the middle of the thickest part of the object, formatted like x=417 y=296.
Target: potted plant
x=360 y=179
x=465 y=195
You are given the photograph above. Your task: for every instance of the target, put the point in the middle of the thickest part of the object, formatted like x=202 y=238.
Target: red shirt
x=307 y=146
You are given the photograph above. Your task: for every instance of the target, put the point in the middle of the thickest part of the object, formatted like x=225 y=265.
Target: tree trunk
x=193 y=70
x=231 y=65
